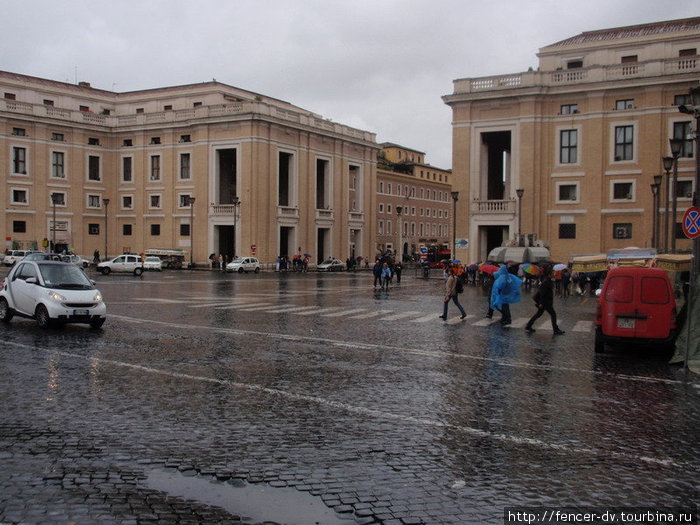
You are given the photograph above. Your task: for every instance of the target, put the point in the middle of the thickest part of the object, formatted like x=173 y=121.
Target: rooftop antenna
x=76 y=74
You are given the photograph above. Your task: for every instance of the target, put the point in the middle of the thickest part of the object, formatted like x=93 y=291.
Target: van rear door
x=619 y=313
x=654 y=307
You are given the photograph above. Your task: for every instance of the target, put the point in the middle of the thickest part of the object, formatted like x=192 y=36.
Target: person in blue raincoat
x=505 y=291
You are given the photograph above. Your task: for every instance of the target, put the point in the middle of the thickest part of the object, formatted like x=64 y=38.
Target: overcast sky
x=379 y=65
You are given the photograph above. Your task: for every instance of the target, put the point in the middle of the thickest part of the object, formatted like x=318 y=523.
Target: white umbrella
x=558 y=267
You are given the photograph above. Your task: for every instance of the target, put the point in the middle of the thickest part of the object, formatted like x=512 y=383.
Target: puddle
x=258 y=502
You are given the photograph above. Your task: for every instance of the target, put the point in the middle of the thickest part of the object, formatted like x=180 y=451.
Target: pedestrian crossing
x=253 y=304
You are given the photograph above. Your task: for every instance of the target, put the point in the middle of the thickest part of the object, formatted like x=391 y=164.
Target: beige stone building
x=583 y=136
x=118 y=170
x=422 y=194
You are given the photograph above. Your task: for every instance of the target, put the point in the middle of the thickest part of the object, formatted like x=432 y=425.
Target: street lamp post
x=190 y=200
x=676 y=145
x=455 y=198
x=106 y=203
x=656 y=189
x=399 y=209
x=520 y=192
x=654 y=192
x=54 y=198
x=236 y=204
x=668 y=164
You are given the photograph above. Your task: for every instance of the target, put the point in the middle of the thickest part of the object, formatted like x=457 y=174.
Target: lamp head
x=520 y=192
x=676 y=146
x=668 y=163
x=654 y=188
x=658 y=179
x=455 y=195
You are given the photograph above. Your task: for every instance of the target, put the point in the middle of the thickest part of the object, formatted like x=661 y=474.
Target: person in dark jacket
x=544 y=299
x=377 y=270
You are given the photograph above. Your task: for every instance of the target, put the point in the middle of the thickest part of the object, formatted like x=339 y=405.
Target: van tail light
x=4 y=282
x=598 y=314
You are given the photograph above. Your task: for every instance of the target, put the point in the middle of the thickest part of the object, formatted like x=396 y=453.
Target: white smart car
x=52 y=293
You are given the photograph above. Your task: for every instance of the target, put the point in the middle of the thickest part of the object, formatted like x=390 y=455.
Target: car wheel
x=138 y=271
x=599 y=343
x=97 y=323
x=105 y=271
x=6 y=312
x=42 y=316
x=257 y=269
x=240 y=270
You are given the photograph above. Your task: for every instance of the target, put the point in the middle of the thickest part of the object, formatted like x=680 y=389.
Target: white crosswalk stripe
x=321 y=311
x=292 y=309
x=426 y=318
x=239 y=306
x=583 y=326
x=344 y=312
x=400 y=315
x=369 y=315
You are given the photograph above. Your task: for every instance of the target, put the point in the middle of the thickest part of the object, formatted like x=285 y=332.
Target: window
x=139 y=110
x=154 y=201
x=155 y=167
x=127 y=143
x=93 y=201
x=19 y=132
x=93 y=168
x=10 y=96
x=184 y=200
x=155 y=140
x=85 y=109
x=155 y=229
x=574 y=64
x=381 y=187
x=567 y=192
x=184 y=166
x=568 y=146
x=19 y=227
x=628 y=59
x=126 y=229
x=93 y=229
x=48 y=102
x=19 y=160
x=59 y=198
x=185 y=138
x=691 y=52
x=624 y=143
x=568 y=109
x=622 y=191
x=92 y=141
x=127 y=202
x=58 y=165
x=683 y=130
x=184 y=230
x=684 y=189
x=682 y=100
x=19 y=196
x=381 y=228
x=57 y=136
x=197 y=105
x=388 y=209
x=168 y=107
x=381 y=207
x=622 y=230
x=567 y=231
x=627 y=103
x=127 y=175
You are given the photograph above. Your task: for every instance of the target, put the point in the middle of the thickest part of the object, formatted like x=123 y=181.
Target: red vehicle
x=636 y=305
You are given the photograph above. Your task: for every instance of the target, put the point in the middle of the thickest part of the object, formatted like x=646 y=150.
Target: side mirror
x=31 y=280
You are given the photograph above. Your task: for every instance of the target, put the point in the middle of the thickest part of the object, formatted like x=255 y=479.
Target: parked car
x=42 y=256
x=636 y=304
x=331 y=265
x=77 y=260
x=243 y=264
x=124 y=263
x=52 y=293
x=15 y=255
x=153 y=263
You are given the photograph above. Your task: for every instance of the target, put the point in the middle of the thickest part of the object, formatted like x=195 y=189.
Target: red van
x=636 y=305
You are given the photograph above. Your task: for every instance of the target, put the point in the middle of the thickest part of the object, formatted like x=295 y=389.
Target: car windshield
x=64 y=276
x=152 y=259
x=238 y=260
x=328 y=261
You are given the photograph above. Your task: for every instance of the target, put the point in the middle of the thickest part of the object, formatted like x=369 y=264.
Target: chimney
x=82 y=83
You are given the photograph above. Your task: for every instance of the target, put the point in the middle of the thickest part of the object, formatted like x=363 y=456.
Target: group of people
x=296 y=264
x=384 y=270
x=505 y=290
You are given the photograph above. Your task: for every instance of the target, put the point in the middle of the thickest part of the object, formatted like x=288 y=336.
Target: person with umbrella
x=506 y=291
x=544 y=299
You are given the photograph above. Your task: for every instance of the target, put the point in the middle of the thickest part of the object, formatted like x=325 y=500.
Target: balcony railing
x=288 y=212
x=324 y=214
x=493 y=206
x=223 y=209
x=652 y=68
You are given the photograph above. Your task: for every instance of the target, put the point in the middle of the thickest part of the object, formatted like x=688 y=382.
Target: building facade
x=414 y=206
x=205 y=166
x=582 y=137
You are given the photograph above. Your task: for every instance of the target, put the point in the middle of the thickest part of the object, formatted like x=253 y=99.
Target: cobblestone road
x=211 y=398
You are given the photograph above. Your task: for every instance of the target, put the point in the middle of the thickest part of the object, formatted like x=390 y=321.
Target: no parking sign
x=691 y=222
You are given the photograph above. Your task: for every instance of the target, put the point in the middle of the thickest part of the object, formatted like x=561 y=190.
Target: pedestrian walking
x=544 y=299
x=398 y=268
x=506 y=291
x=377 y=270
x=451 y=292
x=386 y=275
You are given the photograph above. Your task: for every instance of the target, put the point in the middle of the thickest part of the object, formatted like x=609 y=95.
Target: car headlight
x=98 y=297
x=55 y=296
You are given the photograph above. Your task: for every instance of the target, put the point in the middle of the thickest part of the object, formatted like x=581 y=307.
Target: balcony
x=325 y=215
x=531 y=79
x=223 y=210
x=493 y=207
x=287 y=212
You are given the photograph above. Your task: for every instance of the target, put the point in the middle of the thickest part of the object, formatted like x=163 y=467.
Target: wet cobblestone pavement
x=215 y=398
